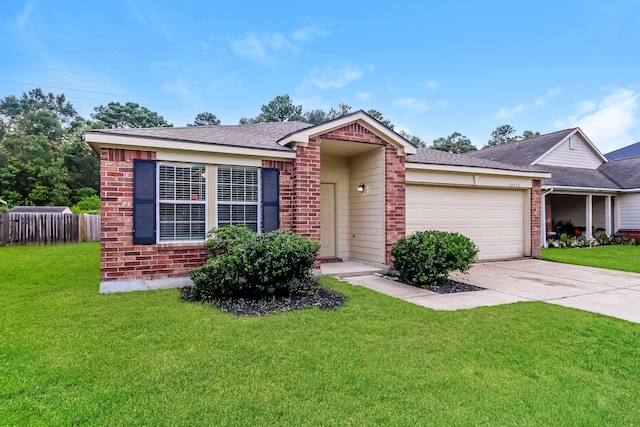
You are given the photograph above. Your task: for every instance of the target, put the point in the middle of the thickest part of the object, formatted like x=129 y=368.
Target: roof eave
x=476 y=169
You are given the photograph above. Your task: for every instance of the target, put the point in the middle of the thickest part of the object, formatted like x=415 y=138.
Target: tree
x=417 y=142
x=320 y=116
x=502 y=135
x=529 y=134
x=379 y=117
x=454 y=143
x=14 y=108
x=280 y=109
x=129 y=115
x=205 y=119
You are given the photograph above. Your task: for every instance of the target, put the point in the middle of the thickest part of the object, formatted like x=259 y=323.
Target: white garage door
x=493 y=219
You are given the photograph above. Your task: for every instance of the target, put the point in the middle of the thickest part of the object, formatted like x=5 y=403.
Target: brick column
x=536 y=211
x=395 y=199
x=548 y=215
x=306 y=190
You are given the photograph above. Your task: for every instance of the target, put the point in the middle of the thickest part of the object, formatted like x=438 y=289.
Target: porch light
x=361 y=188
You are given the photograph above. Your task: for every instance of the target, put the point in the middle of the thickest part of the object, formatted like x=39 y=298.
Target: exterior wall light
x=361 y=188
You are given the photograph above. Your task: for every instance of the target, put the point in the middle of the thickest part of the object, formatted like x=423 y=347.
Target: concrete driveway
x=608 y=292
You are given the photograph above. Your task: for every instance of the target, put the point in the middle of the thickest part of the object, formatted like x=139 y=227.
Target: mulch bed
x=306 y=295
x=444 y=287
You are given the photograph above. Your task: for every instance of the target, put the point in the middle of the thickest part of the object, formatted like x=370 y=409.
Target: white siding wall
x=581 y=156
x=335 y=170
x=628 y=206
x=366 y=225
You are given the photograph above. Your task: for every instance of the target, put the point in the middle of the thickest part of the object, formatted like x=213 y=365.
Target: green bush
x=277 y=261
x=241 y=263
x=87 y=205
x=426 y=258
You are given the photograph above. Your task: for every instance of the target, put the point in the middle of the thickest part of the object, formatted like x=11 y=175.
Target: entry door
x=328 y=220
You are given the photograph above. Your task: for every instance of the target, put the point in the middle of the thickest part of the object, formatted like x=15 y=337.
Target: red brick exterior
x=120 y=259
x=630 y=232
x=395 y=206
x=536 y=212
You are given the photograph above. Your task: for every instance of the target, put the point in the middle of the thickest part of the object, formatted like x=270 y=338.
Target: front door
x=328 y=220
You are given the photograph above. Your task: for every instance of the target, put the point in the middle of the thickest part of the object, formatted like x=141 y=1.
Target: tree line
x=45 y=161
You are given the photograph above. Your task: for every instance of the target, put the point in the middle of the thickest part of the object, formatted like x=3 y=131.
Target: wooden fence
x=43 y=228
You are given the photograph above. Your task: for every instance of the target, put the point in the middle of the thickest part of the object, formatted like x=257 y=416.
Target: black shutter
x=144 y=202
x=270 y=199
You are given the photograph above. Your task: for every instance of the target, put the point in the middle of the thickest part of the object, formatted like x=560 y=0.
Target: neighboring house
x=627 y=152
x=351 y=184
x=40 y=209
x=585 y=189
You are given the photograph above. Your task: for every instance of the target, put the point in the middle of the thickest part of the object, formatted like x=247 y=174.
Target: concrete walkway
x=608 y=292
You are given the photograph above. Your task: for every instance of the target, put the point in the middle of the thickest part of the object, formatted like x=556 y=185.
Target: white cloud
x=364 y=96
x=310 y=33
x=610 y=123
x=261 y=47
x=432 y=85
x=411 y=104
x=505 y=113
x=334 y=78
x=23 y=17
x=178 y=87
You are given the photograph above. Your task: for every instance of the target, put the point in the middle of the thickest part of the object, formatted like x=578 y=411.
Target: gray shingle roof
x=624 y=172
x=576 y=177
x=38 y=209
x=436 y=157
x=629 y=151
x=257 y=135
x=522 y=152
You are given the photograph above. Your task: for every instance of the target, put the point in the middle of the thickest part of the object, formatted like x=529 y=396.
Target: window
x=238 y=189
x=182 y=202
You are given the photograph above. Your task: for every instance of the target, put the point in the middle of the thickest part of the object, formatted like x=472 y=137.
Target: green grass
x=70 y=356
x=623 y=258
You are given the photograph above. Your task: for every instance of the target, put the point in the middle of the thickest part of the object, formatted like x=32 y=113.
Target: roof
x=39 y=209
x=522 y=152
x=563 y=176
x=437 y=157
x=624 y=172
x=255 y=135
x=629 y=151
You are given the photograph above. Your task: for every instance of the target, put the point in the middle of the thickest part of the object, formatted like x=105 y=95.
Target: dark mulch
x=306 y=295
x=444 y=287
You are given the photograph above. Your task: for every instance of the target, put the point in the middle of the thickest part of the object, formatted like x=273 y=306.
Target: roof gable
x=522 y=153
x=359 y=118
x=574 y=150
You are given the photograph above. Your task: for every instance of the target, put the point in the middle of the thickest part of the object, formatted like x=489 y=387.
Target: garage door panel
x=492 y=218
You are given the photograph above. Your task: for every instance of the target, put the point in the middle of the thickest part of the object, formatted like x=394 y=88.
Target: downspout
x=543 y=226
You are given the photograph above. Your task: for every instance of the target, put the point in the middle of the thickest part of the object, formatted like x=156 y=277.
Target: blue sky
x=431 y=67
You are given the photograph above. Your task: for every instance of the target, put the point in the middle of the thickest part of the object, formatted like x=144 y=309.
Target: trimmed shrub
x=241 y=263
x=277 y=261
x=426 y=258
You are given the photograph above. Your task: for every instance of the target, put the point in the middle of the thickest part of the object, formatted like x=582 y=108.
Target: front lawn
x=70 y=356
x=623 y=258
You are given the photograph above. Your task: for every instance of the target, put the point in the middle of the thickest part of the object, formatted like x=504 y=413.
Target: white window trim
x=185 y=202
x=258 y=203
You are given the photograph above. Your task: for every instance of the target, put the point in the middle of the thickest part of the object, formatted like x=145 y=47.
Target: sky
x=431 y=67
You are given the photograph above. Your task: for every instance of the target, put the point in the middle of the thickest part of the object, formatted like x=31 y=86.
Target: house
x=351 y=184
x=627 y=152
x=40 y=209
x=586 y=189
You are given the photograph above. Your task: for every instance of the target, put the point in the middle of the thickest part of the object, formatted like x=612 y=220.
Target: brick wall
x=306 y=190
x=120 y=259
x=536 y=211
x=395 y=205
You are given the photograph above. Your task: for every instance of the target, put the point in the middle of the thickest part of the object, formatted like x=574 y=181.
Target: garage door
x=493 y=219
